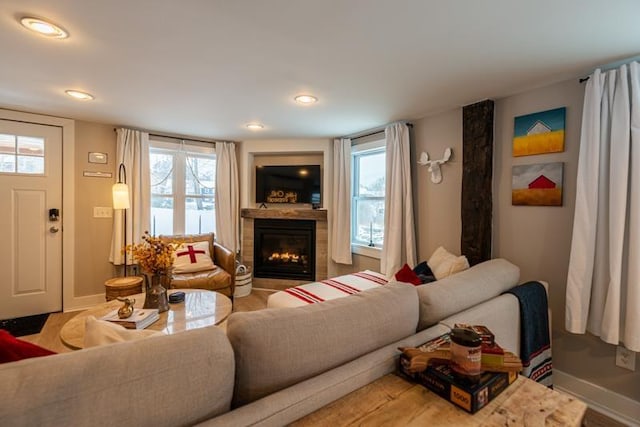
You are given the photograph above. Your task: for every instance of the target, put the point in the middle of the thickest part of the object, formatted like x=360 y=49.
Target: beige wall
x=93 y=235
x=438 y=205
x=538 y=239
x=359 y=263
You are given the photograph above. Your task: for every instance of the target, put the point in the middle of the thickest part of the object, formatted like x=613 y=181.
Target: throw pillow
x=192 y=257
x=443 y=263
x=13 y=349
x=99 y=332
x=407 y=275
x=424 y=272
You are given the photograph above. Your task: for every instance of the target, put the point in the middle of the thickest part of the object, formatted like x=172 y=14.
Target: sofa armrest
x=225 y=259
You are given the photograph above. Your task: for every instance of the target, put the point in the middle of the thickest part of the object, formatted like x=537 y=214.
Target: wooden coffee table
x=394 y=401
x=200 y=308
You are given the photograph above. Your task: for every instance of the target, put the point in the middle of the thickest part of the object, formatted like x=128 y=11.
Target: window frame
x=17 y=155
x=358 y=151
x=178 y=189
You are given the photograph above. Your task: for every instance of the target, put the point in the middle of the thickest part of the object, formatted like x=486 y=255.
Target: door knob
x=54 y=229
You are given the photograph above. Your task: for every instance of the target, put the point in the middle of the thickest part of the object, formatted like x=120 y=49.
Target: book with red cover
x=485 y=333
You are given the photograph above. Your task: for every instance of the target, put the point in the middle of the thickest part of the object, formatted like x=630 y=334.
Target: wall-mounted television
x=288 y=184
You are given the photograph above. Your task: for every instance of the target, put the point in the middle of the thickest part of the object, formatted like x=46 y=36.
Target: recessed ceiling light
x=255 y=126
x=43 y=27
x=83 y=96
x=305 y=99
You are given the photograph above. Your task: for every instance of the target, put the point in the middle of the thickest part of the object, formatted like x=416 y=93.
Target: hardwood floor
x=49 y=338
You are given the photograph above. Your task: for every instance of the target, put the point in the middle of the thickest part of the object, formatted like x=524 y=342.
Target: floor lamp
x=120 y=192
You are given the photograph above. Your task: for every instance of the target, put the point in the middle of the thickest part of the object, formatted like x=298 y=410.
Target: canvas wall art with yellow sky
x=539 y=133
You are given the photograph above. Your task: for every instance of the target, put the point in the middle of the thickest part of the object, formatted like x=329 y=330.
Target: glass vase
x=155 y=292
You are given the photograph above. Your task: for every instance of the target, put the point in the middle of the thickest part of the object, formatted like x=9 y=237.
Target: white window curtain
x=132 y=150
x=227 y=200
x=341 y=203
x=399 y=229
x=603 y=283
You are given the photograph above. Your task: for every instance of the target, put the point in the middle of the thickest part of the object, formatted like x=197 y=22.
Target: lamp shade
x=120 y=196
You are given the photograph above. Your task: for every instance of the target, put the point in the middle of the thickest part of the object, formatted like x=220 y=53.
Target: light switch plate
x=102 y=212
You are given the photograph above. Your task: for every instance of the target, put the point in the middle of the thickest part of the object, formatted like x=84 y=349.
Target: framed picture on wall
x=537 y=185
x=539 y=133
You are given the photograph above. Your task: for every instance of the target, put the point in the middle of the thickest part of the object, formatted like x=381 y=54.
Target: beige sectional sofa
x=272 y=367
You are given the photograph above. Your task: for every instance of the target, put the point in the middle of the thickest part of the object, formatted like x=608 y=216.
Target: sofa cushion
x=192 y=257
x=286 y=406
x=166 y=380
x=100 y=332
x=407 y=275
x=275 y=348
x=465 y=289
x=443 y=263
x=213 y=280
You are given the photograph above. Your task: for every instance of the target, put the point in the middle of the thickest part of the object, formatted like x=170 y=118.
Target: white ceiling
x=205 y=68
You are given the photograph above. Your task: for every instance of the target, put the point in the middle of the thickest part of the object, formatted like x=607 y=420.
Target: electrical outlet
x=102 y=212
x=625 y=358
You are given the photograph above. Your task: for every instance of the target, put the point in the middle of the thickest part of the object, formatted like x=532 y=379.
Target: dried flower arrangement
x=154 y=256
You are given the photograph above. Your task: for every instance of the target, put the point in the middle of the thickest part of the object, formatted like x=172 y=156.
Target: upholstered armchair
x=220 y=278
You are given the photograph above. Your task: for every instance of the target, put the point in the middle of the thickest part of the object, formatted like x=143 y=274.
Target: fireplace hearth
x=284 y=249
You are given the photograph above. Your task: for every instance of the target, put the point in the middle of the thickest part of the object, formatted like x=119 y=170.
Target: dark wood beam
x=477 y=176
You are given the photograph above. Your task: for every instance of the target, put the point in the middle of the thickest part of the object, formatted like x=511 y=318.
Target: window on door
x=368 y=190
x=182 y=188
x=21 y=154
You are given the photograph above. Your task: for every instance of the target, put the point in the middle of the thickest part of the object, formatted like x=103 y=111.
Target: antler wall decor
x=434 y=165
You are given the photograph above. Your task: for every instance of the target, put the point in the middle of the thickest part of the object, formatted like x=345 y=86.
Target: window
x=21 y=154
x=182 y=188
x=368 y=189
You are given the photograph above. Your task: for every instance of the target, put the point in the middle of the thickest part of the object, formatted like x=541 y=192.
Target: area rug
x=21 y=326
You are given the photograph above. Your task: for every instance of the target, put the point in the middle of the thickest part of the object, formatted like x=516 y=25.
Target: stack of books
x=140 y=319
x=468 y=395
x=429 y=365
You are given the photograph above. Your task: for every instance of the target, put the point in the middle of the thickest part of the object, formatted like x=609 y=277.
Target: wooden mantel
x=270 y=213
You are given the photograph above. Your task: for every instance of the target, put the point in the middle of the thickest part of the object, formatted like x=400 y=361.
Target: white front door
x=30 y=240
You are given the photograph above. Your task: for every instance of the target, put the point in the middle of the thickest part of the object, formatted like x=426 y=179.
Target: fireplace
x=284 y=249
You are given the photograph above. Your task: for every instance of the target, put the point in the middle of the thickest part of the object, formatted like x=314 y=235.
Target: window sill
x=370 y=252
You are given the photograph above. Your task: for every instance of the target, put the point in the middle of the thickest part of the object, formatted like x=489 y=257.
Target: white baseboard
x=600 y=399
x=84 y=302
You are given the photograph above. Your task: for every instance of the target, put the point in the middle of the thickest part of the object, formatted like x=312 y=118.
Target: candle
x=371 y=234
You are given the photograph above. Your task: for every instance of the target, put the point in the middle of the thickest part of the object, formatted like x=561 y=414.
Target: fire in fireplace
x=284 y=249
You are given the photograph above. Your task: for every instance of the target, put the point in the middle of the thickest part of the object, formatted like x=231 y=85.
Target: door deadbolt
x=54 y=214
x=54 y=229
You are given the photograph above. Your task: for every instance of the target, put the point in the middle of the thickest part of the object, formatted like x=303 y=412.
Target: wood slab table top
x=200 y=308
x=394 y=401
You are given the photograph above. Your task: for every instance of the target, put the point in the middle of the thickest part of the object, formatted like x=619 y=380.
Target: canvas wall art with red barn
x=537 y=184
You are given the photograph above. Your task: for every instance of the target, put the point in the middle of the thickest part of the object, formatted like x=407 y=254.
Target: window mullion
x=178 y=191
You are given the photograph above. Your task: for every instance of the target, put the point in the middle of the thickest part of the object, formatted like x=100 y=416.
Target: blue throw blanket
x=535 y=347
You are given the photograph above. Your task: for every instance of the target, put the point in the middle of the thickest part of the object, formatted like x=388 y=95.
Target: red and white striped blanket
x=336 y=287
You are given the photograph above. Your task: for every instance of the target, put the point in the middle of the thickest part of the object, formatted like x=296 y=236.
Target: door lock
x=54 y=214
x=54 y=229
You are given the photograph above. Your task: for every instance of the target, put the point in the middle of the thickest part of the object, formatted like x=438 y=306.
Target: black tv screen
x=288 y=184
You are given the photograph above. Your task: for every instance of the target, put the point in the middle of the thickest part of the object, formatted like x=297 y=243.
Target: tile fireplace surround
x=318 y=215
